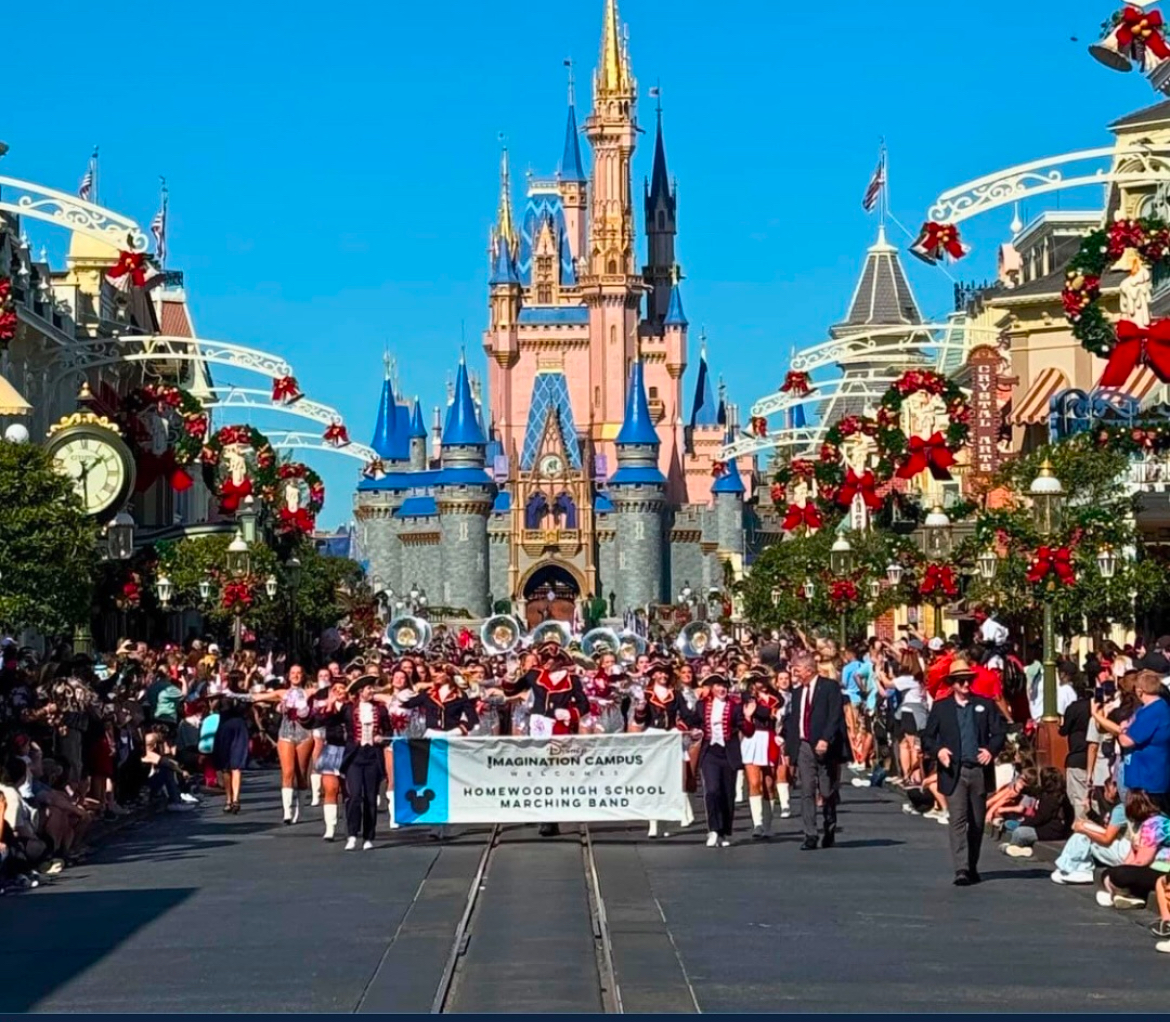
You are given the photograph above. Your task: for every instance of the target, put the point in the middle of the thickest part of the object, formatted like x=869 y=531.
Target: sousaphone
x=600 y=640
x=630 y=646
x=408 y=634
x=552 y=631
x=500 y=634
x=696 y=639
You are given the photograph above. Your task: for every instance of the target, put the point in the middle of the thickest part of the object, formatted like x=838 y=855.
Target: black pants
x=817 y=775
x=363 y=774
x=1136 y=880
x=718 y=789
x=968 y=808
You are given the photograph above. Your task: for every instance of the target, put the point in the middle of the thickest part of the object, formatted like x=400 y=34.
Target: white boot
x=767 y=818
x=390 y=803
x=757 y=805
x=315 y=784
x=350 y=844
x=286 y=800
x=739 y=788
x=296 y=816
x=785 y=791
x=653 y=831
x=688 y=816
x=330 y=811
x=712 y=839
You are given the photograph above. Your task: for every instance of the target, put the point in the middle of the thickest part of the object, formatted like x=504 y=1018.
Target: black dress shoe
x=829 y=839
x=975 y=877
x=549 y=829
x=810 y=845
x=962 y=878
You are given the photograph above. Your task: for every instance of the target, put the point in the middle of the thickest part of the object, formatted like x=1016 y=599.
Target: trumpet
x=408 y=634
x=501 y=634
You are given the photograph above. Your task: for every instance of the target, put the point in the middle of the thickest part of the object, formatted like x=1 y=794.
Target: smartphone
x=1109 y=689
x=1029 y=802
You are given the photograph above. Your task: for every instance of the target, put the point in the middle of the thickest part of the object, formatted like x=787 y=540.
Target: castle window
x=653 y=393
x=464 y=532
x=596 y=396
x=639 y=529
x=621 y=560
x=613 y=335
x=611 y=267
x=661 y=220
x=544 y=294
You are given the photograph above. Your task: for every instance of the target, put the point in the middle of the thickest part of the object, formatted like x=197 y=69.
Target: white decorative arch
x=261 y=400
x=23 y=198
x=1106 y=165
x=295 y=440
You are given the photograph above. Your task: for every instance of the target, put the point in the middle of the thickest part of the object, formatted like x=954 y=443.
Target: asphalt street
x=203 y=912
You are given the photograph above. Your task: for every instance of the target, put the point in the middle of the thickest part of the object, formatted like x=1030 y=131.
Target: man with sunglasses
x=965 y=733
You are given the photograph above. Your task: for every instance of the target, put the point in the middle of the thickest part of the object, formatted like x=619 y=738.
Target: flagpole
x=96 y=191
x=164 y=197
x=883 y=201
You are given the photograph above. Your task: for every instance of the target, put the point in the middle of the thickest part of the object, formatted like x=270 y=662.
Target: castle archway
x=550 y=591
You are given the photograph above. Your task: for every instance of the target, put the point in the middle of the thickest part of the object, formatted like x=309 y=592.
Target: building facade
x=580 y=472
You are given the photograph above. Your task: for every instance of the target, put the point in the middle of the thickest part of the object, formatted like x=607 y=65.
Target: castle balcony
x=563 y=542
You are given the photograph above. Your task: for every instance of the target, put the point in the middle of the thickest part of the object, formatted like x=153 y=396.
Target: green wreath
x=892 y=441
x=1099 y=250
x=265 y=475
x=194 y=422
x=304 y=519
x=831 y=474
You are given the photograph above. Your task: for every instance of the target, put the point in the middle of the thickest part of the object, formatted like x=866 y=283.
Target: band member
x=604 y=693
x=718 y=724
x=756 y=750
x=368 y=726
x=295 y=744
x=325 y=678
x=558 y=702
x=657 y=709
x=446 y=708
x=326 y=720
x=783 y=684
x=816 y=741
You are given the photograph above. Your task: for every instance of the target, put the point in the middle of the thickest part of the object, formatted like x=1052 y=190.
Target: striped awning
x=1033 y=407
x=11 y=403
x=1139 y=384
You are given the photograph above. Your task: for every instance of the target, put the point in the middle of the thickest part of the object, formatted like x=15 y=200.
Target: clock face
x=551 y=465
x=100 y=473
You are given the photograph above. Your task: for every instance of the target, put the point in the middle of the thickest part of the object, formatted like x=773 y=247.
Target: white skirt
x=755 y=749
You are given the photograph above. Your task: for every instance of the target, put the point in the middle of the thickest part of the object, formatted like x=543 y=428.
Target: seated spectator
x=165 y=773
x=1010 y=801
x=1050 y=820
x=1092 y=843
x=1130 y=884
x=1161 y=928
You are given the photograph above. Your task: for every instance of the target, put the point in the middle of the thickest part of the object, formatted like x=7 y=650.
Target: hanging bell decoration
x=1110 y=51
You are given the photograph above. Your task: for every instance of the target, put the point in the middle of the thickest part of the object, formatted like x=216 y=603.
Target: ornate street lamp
x=120 y=537
x=875 y=588
x=841 y=557
x=1107 y=562
x=987 y=564
x=937 y=539
x=165 y=589
x=247 y=516
x=239 y=560
x=809 y=588
x=205 y=589
x=270 y=586
x=1047 y=495
x=894 y=572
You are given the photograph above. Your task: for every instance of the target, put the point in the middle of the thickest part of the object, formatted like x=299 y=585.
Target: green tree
x=48 y=545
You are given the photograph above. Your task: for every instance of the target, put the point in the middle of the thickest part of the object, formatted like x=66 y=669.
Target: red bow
x=795 y=382
x=1138 y=345
x=134 y=267
x=939 y=577
x=1052 y=561
x=718 y=468
x=1142 y=27
x=336 y=434
x=230 y=495
x=759 y=425
x=236 y=592
x=936 y=240
x=863 y=484
x=798 y=516
x=285 y=389
x=7 y=312
x=300 y=520
x=930 y=453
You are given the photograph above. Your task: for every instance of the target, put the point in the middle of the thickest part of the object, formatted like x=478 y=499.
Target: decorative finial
x=657 y=93
x=387 y=362
x=675 y=274
x=1017 y=224
x=569 y=65
x=703 y=341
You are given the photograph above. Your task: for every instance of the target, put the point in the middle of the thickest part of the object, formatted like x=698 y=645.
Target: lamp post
x=841 y=564
x=120 y=537
x=205 y=589
x=937 y=542
x=1107 y=562
x=987 y=564
x=292 y=572
x=247 y=516
x=239 y=563
x=1047 y=495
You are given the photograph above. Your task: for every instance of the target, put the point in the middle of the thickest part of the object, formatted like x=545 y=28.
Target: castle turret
x=391 y=441
x=661 y=228
x=418 y=439
x=637 y=490
x=572 y=183
x=464 y=499
x=501 y=340
x=727 y=496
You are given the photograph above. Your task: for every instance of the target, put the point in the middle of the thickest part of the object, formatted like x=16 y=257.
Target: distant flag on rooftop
x=158 y=226
x=89 y=182
x=876 y=184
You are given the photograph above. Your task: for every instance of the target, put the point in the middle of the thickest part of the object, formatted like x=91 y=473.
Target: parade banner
x=568 y=778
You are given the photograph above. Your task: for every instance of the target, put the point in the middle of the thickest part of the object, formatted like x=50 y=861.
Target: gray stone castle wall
x=464 y=549
x=499 y=533
x=639 y=548
x=729 y=522
x=606 y=556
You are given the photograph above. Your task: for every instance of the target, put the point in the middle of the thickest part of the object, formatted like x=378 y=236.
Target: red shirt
x=936 y=677
x=988 y=683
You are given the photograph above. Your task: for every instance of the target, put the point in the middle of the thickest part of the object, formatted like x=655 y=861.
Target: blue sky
x=333 y=178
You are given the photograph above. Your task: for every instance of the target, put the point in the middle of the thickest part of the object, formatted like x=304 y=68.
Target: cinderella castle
x=581 y=473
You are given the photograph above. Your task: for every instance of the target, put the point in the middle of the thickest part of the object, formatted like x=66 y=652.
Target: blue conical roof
x=462 y=426
x=390 y=442
x=571 y=168
x=674 y=311
x=638 y=427
x=729 y=482
x=503 y=264
x=417 y=429
x=704 y=411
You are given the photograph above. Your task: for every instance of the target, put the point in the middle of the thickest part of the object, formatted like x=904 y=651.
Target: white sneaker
x=909 y=810
x=1105 y=899
x=189 y=799
x=712 y=839
x=1124 y=901
x=1079 y=876
x=1021 y=852
x=367 y=845
x=1163 y=946
x=1058 y=877
x=943 y=818
x=860 y=782
x=932 y=814
x=350 y=844
x=725 y=842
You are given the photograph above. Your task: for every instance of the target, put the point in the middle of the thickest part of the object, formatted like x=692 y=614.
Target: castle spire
x=571 y=167
x=613 y=71
x=637 y=427
x=462 y=427
x=660 y=190
x=505 y=226
x=704 y=410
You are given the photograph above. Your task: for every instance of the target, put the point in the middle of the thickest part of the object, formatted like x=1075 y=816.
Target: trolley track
x=534 y=905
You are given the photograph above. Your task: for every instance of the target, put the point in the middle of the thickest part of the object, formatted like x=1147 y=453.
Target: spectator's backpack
x=207 y=733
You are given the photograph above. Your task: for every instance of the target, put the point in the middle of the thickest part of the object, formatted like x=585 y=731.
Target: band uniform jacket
x=558 y=690
x=662 y=714
x=827 y=722
x=942 y=732
x=735 y=726
x=455 y=713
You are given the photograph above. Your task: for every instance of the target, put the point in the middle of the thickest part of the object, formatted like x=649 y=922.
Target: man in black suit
x=965 y=733
x=719 y=724
x=815 y=737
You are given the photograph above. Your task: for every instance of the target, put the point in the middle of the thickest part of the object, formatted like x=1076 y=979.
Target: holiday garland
x=939 y=579
x=909 y=456
x=843 y=595
x=194 y=420
x=230 y=493
x=839 y=484
x=1131 y=343
x=305 y=517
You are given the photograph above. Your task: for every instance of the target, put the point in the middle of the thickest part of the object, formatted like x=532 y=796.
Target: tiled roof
x=882 y=296
x=392 y=428
x=417 y=507
x=174 y=321
x=1156 y=114
x=602 y=504
x=659 y=178
x=540 y=206
x=704 y=410
x=550 y=395
x=674 y=311
x=571 y=166
x=502 y=503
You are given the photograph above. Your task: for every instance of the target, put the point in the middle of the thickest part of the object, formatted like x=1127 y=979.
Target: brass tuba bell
x=408 y=634
x=630 y=646
x=501 y=634
x=695 y=639
x=600 y=640
x=552 y=631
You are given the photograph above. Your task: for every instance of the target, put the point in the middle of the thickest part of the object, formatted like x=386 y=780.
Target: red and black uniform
x=660 y=714
x=557 y=689
x=455 y=712
x=723 y=724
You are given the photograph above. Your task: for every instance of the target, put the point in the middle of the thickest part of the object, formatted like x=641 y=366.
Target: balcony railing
x=1150 y=474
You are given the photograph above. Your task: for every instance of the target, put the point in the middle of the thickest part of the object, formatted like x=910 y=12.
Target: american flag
x=85 y=189
x=158 y=227
x=876 y=184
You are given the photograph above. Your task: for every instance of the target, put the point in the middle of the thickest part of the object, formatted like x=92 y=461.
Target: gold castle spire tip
x=613 y=72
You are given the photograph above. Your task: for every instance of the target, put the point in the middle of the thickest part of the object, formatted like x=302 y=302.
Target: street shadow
x=1015 y=874
x=874 y=842
x=63 y=934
